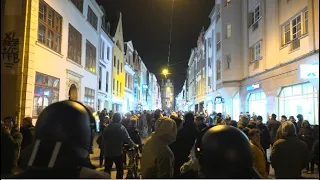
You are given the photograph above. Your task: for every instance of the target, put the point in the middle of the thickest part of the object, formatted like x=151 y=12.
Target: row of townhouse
x=261 y=56
x=57 y=50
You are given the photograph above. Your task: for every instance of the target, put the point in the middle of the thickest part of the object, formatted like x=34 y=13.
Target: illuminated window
x=46 y=92
x=78 y=4
x=90 y=57
x=74 y=45
x=89 y=95
x=49 y=27
x=92 y=18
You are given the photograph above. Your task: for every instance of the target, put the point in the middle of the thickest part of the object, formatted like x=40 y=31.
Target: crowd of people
x=177 y=144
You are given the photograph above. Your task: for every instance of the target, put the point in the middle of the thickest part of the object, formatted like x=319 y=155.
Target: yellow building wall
x=118 y=52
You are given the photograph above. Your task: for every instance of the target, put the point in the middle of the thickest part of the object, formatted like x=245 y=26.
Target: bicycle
x=134 y=157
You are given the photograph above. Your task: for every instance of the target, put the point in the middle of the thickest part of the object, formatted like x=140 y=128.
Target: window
x=218 y=41
x=102 y=50
x=228 y=31
x=256 y=14
x=228 y=62
x=218 y=70
x=49 y=27
x=114 y=61
x=256 y=51
x=286 y=33
x=296 y=27
x=46 y=92
x=90 y=57
x=78 y=4
x=107 y=81
x=306 y=22
x=108 y=52
x=74 y=45
x=100 y=77
x=228 y=2
x=92 y=18
x=121 y=67
x=120 y=92
x=89 y=97
x=113 y=85
x=118 y=67
x=117 y=87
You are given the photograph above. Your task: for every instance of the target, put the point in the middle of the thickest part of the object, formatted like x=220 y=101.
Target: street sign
x=309 y=71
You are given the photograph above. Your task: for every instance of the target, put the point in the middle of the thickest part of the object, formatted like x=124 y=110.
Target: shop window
x=299 y=99
x=46 y=92
x=89 y=95
x=257 y=104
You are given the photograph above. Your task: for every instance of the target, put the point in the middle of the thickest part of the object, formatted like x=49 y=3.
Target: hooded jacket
x=157 y=159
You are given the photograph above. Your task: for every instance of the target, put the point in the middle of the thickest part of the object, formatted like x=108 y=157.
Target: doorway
x=73 y=93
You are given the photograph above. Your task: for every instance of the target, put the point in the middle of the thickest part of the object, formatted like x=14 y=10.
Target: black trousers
x=118 y=160
x=101 y=157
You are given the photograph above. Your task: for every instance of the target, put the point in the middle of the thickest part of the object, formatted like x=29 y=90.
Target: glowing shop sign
x=309 y=71
x=253 y=87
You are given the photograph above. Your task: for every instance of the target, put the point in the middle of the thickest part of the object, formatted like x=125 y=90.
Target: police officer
x=63 y=140
x=225 y=152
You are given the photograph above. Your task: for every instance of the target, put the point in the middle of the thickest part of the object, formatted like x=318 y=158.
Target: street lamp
x=165 y=72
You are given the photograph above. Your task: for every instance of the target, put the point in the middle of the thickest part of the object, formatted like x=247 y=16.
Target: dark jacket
x=28 y=134
x=297 y=128
x=306 y=135
x=125 y=122
x=182 y=146
x=201 y=126
x=10 y=149
x=115 y=135
x=273 y=126
x=134 y=135
x=288 y=157
x=265 y=139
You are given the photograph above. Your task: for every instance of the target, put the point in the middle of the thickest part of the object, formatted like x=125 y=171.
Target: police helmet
x=225 y=152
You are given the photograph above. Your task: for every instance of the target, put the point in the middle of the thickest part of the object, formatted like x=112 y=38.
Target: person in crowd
x=284 y=118
x=149 y=122
x=215 y=160
x=102 y=114
x=306 y=134
x=177 y=120
x=273 y=125
x=219 y=119
x=133 y=131
x=259 y=160
x=233 y=123
x=227 y=120
x=254 y=116
x=243 y=123
x=63 y=139
x=126 y=120
x=252 y=124
x=248 y=115
x=156 y=116
x=28 y=132
x=114 y=136
x=293 y=120
x=265 y=139
x=157 y=159
x=300 y=119
x=289 y=155
x=200 y=123
x=11 y=140
x=185 y=140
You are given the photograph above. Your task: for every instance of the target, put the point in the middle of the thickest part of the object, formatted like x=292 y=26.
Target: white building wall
x=57 y=64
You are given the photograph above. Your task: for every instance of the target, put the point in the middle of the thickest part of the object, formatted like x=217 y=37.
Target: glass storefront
x=299 y=99
x=236 y=107
x=257 y=104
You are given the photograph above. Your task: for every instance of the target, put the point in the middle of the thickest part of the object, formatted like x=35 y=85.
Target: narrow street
x=95 y=161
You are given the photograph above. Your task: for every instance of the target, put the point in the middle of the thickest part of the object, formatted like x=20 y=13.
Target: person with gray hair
x=286 y=162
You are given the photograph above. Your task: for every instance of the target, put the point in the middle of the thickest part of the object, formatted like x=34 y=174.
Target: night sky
x=147 y=24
